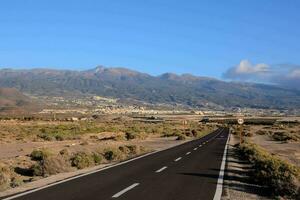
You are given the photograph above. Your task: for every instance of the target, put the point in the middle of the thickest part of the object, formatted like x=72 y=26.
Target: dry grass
x=280 y=176
x=39 y=149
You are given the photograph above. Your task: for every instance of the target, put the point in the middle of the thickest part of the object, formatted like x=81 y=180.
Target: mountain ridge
x=170 y=88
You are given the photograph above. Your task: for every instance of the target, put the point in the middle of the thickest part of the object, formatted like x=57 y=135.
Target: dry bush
x=4 y=177
x=40 y=154
x=135 y=150
x=181 y=137
x=283 y=136
x=111 y=154
x=48 y=163
x=82 y=160
x=281 y=177
x=261 y=132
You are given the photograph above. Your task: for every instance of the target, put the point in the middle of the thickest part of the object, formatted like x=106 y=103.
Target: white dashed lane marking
x=125 y=190
x=177 y=159
x=161 y=169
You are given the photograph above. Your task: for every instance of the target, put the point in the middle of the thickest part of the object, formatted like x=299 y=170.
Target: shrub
x=181 y=137
x=45 y=137
x=169 y=134
x=64 y=152
x=194 y=132
x=130 y=135
x=82 y=160
x=134 y=149
x=59 y=138
x=283 y=136
x=112 y=154
x=50 y=165
x=97 y=158
x=39 y=155
x=248 y=134
x=16 y=181
x=261 y=132
x=4 y=177
x=37 y=170
x=124 y=149
x=188 y=134
x=280 y=176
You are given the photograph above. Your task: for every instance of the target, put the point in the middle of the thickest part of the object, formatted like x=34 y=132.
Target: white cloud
x=245 y=70
x=245 y=67
x=294 y=74
x=284 y=74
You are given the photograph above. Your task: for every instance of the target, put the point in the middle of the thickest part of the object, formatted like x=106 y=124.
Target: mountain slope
x=168 y=88
x=13 y=101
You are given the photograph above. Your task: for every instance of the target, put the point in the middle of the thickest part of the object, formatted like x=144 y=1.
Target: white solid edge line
x=79 y=176
x=161 y=169
x=125 y=190
x=177 y=159
x=219 y=188
x=86 y=174
x=188 y=153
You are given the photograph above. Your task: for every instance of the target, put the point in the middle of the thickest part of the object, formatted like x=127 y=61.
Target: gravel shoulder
x=236 y=181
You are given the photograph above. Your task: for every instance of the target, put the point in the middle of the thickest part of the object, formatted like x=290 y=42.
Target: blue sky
x=200 y=37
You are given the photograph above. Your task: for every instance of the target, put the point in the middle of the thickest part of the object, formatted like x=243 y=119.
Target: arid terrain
x=36 y=152
x=267 y=164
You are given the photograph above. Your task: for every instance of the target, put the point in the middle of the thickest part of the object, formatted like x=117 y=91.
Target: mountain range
x=186 y=89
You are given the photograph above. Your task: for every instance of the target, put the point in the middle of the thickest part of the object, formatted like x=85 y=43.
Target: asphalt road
x=188 y=171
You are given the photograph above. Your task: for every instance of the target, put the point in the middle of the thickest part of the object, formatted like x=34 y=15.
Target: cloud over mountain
x=286 y=75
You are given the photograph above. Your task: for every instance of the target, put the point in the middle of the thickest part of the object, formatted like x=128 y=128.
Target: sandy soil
x=289 y=151
x=13 y=150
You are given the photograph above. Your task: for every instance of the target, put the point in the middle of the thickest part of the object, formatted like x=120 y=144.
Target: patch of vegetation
x=4 y=177
x=131 y=135
x=97 y=158
x=261 y=132
x=283 y=136
x=111 y=154
x=279 y=176
x=40 y=154
x=135 y=150
x=181 y=137
x=82 y=160
x=47 y=163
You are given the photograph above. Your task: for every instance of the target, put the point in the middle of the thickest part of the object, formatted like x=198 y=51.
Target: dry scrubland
x=36 y=149
x=274 y=153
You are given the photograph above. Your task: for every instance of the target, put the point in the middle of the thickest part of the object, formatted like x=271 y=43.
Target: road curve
x=185 y=172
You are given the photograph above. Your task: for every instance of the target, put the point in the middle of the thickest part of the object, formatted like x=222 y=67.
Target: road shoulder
x=236 y=181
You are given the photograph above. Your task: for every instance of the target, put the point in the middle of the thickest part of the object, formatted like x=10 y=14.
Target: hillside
x=13 y=101
x=168 y=88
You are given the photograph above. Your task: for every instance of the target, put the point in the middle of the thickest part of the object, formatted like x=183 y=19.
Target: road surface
x=185 y=172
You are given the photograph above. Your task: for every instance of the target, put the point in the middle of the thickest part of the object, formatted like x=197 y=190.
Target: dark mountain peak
x=169 y=76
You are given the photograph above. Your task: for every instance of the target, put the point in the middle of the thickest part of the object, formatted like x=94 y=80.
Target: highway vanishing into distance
x=185 y=172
